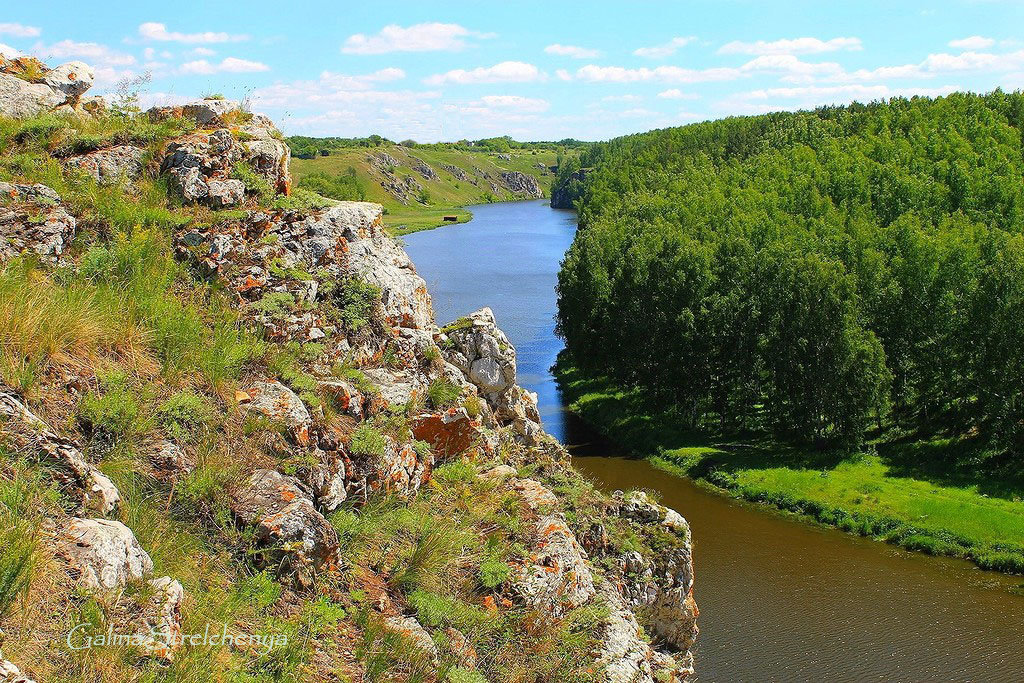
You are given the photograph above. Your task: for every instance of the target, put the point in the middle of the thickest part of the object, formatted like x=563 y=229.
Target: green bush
x=443 y=393
x=367 y=440
x=343 y=186
x=493 y=572
x=115 y=411
x=255 y=184
x=184 y=413
x=355 y=302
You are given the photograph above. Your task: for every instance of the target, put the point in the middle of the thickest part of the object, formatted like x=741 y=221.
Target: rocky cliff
x=266 y=428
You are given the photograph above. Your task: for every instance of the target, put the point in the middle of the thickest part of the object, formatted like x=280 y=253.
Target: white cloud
x=676 y=94
x=503 y=72
x=152 y=30
x=202 y=52
x=573 y=51
x=972 y=43
x=665 y=49
x=334 y=88
x=18 y=30
x=794 y=46
x=426 y=37
x=618 y=74
x=8 y=51
x=806 y=97
x=95 y=53
x=360 y=82
x=515 y=103
x=621 y=98
x=226 y=65
x=792 y=69
x=563 y=75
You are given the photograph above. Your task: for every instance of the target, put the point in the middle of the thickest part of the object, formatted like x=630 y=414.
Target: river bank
x=883 y=495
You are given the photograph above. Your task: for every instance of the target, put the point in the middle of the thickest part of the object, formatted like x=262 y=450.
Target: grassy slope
x=447 y=195
x=886 y=495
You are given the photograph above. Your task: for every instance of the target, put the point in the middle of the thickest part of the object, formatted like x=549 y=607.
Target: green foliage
x=115 y=410
x=810 y=275
x=493 y=572
x=355 y=303
x=255 y=184
x=443 y=393
x=341 y=186
x=367 y=440
x=184 y=413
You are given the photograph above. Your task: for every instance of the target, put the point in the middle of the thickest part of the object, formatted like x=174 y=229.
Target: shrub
x=115 y=410
x=494 y=572
x=343 y=186
x=184 y=413
x=254 y=183
x=443 y=393
x=355 y=302
x=368 y=441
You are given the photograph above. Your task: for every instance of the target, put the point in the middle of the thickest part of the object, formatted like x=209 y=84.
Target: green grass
x=887 y=493
x=447 y=195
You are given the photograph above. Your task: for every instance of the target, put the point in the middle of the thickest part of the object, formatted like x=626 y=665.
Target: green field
x=910 y=494
x=447 y=194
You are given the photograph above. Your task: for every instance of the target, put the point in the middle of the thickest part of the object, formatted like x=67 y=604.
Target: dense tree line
x=814 y=274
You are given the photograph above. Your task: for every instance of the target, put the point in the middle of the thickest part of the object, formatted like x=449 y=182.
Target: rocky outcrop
x=482 y=352
x=103 y=553
x=522 y=184
x=32 y=219
x=424 y=169
x=565 y=193
x=556 y=577
x=9 y=673
x=279 y=404
x=22 y=94
x=199 y=165
x=284 y=517
x=457 y=173
x=159 y=627
x=30 y=434
x=111 y=165
x=411 y=630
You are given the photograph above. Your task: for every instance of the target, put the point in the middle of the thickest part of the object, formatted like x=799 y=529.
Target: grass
x=446 y=195
x=887 y=494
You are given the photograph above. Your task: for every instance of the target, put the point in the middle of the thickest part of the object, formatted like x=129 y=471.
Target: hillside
x=823 y=309
x=235 y=445
x=401 y=178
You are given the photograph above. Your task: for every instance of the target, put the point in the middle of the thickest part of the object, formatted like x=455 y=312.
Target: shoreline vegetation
x=888 y=493
x=421 y=184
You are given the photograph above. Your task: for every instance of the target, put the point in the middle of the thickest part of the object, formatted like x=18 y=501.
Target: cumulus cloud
x=202 y=52
x=8 y=51
x=503 y=72
x=972 y=43
x=573 y=51
x=332 y=88
x=593 y=73
x=18 y=30
x=665 y=49
x=621 y=98
x=152 y=30
x=96 y=53
x=793 y=46
x=426 y=37
x=805 y=97
x=563 y=75
x=226 y=65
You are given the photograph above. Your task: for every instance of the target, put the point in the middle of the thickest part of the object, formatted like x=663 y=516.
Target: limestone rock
x=624 y=656
x=556 y=577
x=160 y=627
x=522 y=184
x=222 y=194
x=9 y=673
x=280 y=404
x=105 y=554
x=206 y=113
x=193 y=160
x=397 y=387
x=284 y=517
x=481 y=351
x=424 y=169
x=398 y=470
x=72 y=79
x=32 y=219
x=449 y=432
x=108 y=166
x=29 y=432
x=20 y=99
x=414 y=632
x=169 y=458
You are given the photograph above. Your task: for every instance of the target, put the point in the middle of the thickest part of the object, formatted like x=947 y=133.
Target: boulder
x=206 y=113
x=169 y=458
x=414 y=632
x=278 y=403
x=72 y=79
x=222 y=194
x=112 y=165
x=33 y=220
x=399 y=470
x=20 y=99
x=556 y=576
x=284 y=517
x=449 y=432
x=103 y=553
x=269 y=157
x=624 y=656
x=9 y=673
x=424 y=169
x=193 y=161
x=27 y=431
x=159 y=634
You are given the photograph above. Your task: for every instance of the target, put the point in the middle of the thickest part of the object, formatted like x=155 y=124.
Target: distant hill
x=419 y=185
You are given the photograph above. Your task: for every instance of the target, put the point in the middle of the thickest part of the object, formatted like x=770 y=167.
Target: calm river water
x=779 y=600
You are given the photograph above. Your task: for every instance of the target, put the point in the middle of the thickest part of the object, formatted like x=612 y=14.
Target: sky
x=590 y=70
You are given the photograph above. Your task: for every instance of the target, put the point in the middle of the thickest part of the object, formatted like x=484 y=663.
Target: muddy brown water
x=780 y=600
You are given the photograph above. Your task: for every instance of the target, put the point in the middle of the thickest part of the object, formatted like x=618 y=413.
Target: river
x=779 y=600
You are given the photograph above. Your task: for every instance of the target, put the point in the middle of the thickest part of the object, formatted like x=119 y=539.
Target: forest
x=822 y=278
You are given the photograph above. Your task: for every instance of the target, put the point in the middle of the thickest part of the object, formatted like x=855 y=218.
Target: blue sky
x=533 y=70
